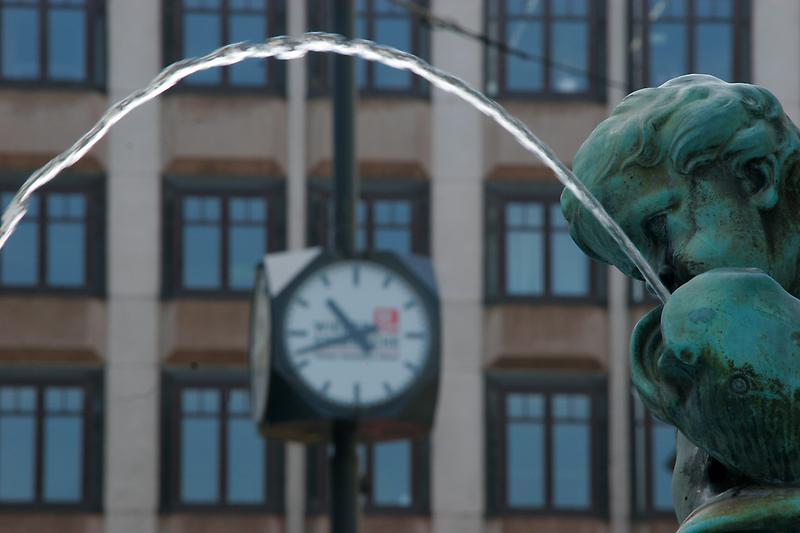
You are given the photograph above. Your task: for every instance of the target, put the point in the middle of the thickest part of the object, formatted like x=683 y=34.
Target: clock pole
x=344 y=463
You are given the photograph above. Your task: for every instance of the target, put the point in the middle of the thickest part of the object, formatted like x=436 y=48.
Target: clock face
x=259 y=346
x=357 y=333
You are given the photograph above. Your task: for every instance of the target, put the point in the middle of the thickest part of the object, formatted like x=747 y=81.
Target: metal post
x=344 y=464
x=345 y=191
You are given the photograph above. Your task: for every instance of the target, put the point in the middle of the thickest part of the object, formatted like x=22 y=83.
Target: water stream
x=287 y=48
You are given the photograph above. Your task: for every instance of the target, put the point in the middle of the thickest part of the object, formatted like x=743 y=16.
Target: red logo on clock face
x=386 y=320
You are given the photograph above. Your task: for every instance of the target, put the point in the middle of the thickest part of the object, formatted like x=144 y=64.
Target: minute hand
x=360 y=336
x=334 y=340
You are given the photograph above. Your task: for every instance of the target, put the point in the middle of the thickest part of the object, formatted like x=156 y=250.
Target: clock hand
x=359 y=336
x=334 y=340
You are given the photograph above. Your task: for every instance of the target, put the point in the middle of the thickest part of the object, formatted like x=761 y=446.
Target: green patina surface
x=703 y=175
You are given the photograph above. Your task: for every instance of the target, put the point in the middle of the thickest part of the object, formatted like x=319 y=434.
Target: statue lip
x=749 y=508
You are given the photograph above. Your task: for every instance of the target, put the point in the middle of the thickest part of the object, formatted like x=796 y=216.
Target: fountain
x=708 y=360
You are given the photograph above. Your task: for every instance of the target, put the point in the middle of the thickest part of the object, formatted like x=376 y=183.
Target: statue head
x=700 y=174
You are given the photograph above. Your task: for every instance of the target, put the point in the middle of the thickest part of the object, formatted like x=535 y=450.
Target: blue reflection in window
x=523 y=74
x=20 y=43
x=202 y=245
x=571 y=451
x=525 y=466
x=66 y=240
x=525 y=7
x=19 y=259
x=570 y=48
x=66 y=44
x=361 y=64
x=202 y=34
x=247 y=234
x=713 y=49
x=248 y=27
x=391 y=473
x=200 y=448
x=570 y=267
x=394 y=32
x=63 y=445
x=524 y=249
x=17 y=444
x=392 y=225
x=663 y=457
x=245 y=461
x=667 y=51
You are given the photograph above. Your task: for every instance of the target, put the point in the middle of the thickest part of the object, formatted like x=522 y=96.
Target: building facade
x=124 y=304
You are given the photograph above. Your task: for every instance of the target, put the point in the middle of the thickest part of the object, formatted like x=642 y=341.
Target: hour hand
x=358 y=335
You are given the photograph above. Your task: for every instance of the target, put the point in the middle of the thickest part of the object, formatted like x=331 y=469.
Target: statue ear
x=761 y=179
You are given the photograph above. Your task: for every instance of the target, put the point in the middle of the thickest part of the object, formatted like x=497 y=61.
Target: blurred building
x=124 y=305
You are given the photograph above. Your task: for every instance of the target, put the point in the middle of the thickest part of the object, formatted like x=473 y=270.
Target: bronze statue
x=703 y=176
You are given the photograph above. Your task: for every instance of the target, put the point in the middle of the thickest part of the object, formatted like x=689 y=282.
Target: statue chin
x=733 y=395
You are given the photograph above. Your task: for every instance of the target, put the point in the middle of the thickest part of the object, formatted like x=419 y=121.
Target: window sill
x=44 y=86
x=538 y=301
x=228 y=91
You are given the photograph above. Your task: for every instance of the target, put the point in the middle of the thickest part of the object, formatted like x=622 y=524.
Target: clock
x=356 y=332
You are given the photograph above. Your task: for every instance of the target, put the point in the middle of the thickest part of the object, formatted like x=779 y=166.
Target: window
x=394 y=476
x=393 y=218
x=214 y=456
x=381 y=21
x=219 y=235
x=50 y=452
x=545 y=445
x=57 y=245
x=654 y=460
x=530 y=253
x=52 y=41
x=564 y=43
x=671 y=38
x=200 y=26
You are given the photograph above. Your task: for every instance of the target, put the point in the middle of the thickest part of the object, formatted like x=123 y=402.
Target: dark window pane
x=570 y=268
x=361 y=225
x=571 y=451
x=714 y=8
x=200 y=450
x=17 y=444
x=202 y=34
x=66 y=44
x=570 y=48
x=247 y=247
x=525 y=7
x=202 y=243
x=391 y=477
x=19 y=259
x=20 y=43
x=394 y=32
x=523 y=74
x=574 y=8
x=63 y=446
x=667 y=52
x=663 y=441
x=525 y=464
x=666 y=8
x=361 y=64
x=248 y=27
x=245 y=462
x=524 y=249
x=714 y=50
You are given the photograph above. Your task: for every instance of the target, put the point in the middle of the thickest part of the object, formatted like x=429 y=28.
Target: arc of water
x=286 y=48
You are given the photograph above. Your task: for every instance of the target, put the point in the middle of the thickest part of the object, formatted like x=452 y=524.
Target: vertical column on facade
x=296 y=227
x=456 y=171
x=134 y=213
x=619 y=420
x=775 y=38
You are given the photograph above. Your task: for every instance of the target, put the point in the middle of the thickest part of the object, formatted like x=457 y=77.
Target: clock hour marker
x=411 y=366
x=357 y=392
x=387 y=387
x=356 y=274
x=301 y=302
x=410 y=304
x=325 y=280
x=415 y=335
x=325 y=386
x=298 y=333
x=387 y=281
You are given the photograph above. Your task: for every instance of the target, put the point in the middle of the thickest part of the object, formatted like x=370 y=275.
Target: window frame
x=96 y=52
x=596 y=55
x=497 y=196
x=176 y=188
x=498 y=385
x=318 y=481
x=415 y=192
x=173 y=382
x=93 y=188
x=90 y=380
x=742 y=49
x=319 y=16
x=649 y=512
x=276 y=16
